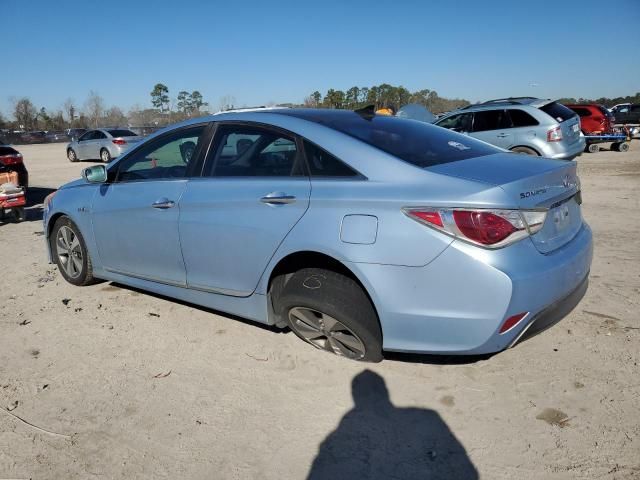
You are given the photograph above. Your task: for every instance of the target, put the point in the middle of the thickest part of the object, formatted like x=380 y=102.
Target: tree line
x=384 y=95
x=93 y=112
x=607 y=102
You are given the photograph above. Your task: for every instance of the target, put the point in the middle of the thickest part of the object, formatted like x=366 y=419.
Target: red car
x=594 y=118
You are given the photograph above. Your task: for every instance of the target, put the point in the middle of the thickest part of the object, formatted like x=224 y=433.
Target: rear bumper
x=457 y=303
x=553 y=313
x=569 y=152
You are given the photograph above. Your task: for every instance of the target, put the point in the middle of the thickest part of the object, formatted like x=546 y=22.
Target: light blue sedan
x=361 y=233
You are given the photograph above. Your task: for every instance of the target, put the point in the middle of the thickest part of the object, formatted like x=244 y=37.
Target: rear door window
x=520 y=118
x=490 y=120
x=98 y=135
x=247 y=151
x=558 y=112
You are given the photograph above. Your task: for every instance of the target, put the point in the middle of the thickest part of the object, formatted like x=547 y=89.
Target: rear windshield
x=416 y=142
x=121 y=133
x=559 y=112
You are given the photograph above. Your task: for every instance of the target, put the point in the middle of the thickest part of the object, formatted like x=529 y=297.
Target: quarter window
x=242 y=151
x=520 y=118
x=166 y=157
x=323 y=164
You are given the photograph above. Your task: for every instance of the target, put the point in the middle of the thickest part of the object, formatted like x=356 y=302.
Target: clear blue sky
x=280 y=51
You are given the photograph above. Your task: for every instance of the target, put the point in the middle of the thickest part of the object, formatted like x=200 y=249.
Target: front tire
x=525 y=150
x=71 y=155
x=69 y=251
x=331 y=312
x=105 y=156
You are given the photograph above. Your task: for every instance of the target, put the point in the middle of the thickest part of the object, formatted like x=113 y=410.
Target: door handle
x=163 y=203
x=502 y=135
x=278 y=198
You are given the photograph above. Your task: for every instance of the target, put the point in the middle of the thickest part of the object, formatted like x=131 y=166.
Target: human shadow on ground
x=376 y=440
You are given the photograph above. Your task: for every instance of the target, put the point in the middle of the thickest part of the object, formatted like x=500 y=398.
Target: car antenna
x=367 y=112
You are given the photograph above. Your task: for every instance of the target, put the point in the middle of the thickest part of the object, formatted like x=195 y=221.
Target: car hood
x=75 y=183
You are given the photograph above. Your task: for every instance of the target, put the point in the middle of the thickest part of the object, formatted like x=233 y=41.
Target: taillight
x=119 y=141
x=11 y=159
x=483 y=227
x=554 y=135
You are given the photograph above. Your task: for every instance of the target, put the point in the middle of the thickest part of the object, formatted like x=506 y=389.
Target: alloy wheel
x=105 y=156
x=326 y=333
x=69 y=251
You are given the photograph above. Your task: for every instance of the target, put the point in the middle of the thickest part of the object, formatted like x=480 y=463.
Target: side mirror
x=74 y=138
x=95 y=174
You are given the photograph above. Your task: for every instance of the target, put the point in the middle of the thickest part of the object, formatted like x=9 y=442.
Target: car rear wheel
x=331 y=312
x=525 y=150
x=69 y=251
x=71 y=155
x=105 y=156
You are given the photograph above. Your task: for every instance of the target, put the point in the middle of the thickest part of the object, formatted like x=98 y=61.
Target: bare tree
x=70 y=110
x=94 y=108
x=115 y=117
x=226 y=103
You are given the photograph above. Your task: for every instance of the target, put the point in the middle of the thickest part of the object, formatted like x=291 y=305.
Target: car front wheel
x=332 y=312
x=71 y=155
x=69 y=251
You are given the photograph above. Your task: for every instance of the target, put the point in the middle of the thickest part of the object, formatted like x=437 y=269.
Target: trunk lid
x=531 y=183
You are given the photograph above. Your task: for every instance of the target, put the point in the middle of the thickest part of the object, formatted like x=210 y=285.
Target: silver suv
x=521 y=124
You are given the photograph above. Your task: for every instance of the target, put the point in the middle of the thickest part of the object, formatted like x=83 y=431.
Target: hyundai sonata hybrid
x=361 y=233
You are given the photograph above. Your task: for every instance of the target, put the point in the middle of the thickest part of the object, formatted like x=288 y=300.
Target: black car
x=57 y=136
x=75 y=132
x=11 y=161
x=627 y=114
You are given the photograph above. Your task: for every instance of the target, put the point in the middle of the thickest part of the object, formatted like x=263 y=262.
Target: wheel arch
x=526 y=146
x=294 y=261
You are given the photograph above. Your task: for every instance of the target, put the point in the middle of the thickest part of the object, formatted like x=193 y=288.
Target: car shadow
x=391 y=356
x=376 y=440
x=271 y=328
x=436 y=359
x=34 y=206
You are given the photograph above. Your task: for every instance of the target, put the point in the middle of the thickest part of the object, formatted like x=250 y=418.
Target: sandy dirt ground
x=110 y=382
